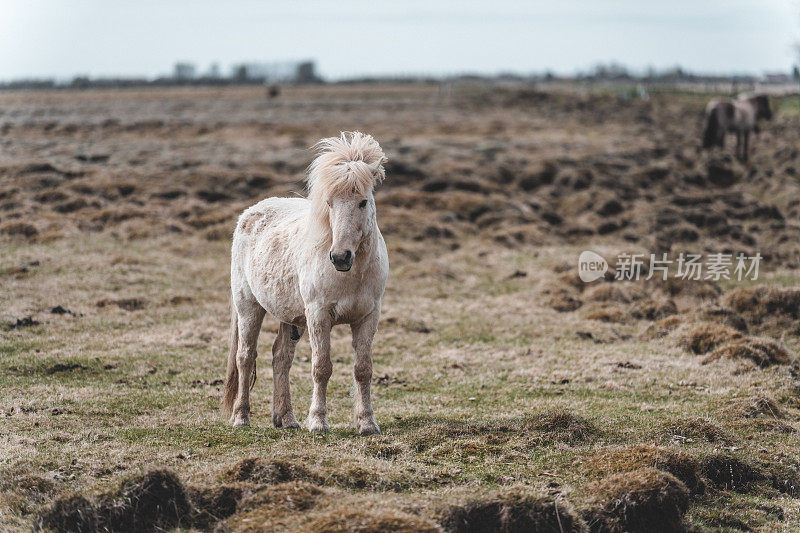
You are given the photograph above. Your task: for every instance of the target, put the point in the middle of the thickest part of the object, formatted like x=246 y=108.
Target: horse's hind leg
x=251 y=315
x=363 y=333
x=282 y=357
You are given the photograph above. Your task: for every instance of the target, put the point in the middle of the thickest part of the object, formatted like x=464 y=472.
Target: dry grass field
x=511 y=395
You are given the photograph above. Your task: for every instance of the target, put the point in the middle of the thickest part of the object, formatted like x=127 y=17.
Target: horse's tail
x=711 y=133
x=232 y=374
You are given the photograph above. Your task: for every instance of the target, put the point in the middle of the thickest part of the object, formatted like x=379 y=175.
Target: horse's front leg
x=363 y=333
x=319 y=333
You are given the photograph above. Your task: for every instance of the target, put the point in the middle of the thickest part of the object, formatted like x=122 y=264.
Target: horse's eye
x=329 y=203
x=363 y=204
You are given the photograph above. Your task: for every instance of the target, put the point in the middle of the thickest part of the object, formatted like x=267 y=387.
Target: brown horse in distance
x=740 y=116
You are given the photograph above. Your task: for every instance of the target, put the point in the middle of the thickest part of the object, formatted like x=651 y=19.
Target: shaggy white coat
x=281 y=264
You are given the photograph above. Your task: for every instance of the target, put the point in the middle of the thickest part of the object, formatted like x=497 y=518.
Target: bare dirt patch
x=512 y=512
x=156 y=500
x=270 y=472
x=728 y=472
x=646 y=500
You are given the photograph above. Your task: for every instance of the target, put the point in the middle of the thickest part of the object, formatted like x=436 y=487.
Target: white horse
x=312 y=264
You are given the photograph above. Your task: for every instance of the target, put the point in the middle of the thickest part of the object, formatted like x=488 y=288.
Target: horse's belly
x=350 y=311
x=273 y=281
x=280 y=297
x=294 y=316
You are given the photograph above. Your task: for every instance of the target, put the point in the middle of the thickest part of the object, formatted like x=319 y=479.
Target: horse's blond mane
x=351 y=163
x=345 y=165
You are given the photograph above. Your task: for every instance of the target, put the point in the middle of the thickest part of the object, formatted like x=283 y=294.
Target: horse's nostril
x=345 y=257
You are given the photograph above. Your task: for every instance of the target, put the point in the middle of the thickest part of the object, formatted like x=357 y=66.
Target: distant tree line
x=184 y=74
x=304 y=72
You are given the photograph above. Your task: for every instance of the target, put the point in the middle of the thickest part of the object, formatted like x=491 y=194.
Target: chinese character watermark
x=631 y=267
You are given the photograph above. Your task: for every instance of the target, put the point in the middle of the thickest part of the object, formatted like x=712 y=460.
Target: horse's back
x=723 y=105
x=272 y=224
x=712 y=105
x=271 y=212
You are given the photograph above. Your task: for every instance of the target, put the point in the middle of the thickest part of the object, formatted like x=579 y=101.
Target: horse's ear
x=378 y=172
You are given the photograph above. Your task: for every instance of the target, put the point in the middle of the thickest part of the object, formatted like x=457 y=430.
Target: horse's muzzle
x=342 y=261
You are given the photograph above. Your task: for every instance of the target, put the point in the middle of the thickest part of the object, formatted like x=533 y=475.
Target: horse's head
x=340 y=182
x=351 y=217
x=762 y=107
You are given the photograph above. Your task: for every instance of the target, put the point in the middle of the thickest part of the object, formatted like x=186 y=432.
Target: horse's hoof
x=369 y=429
x=287 y=421
x=366 y=425
x=319 y=425
x=241 y=421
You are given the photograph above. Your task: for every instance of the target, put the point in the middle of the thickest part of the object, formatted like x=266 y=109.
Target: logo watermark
x=591 y=266
x=633 y=267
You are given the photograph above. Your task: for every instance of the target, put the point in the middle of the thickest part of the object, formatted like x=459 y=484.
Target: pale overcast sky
x=40 y=38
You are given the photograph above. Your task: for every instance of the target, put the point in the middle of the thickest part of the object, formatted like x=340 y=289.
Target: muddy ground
x=511 y=394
